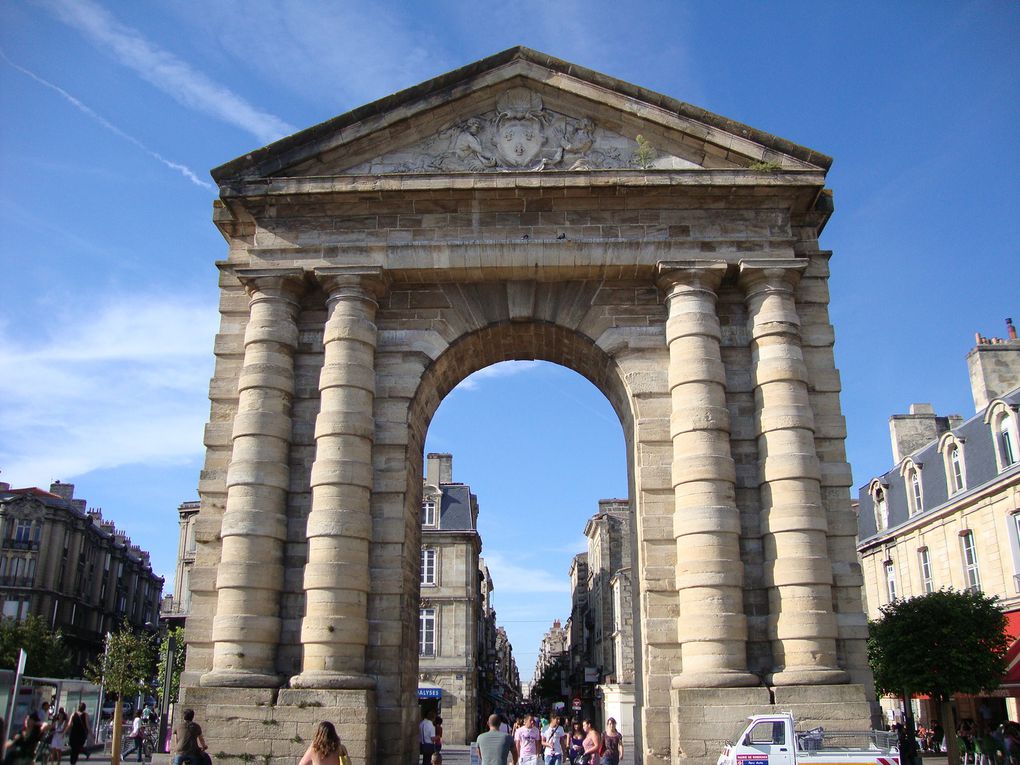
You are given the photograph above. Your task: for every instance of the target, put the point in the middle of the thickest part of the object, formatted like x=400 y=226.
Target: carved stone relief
x=521 y=134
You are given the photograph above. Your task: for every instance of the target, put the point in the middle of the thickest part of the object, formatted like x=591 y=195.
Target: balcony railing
x=17 y=581
x=10 y=543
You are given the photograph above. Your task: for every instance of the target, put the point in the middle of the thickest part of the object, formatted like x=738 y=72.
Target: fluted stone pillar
x=797 y=568
x=249 y=578
x=334 y=632
x=712 y=627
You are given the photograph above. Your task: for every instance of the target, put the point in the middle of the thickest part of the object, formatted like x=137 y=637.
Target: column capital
x=285 y=283
x=354 y=281
x=757 y=274
x=696 y=274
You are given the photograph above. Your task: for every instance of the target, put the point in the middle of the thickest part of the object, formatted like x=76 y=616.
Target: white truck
x=774 y=740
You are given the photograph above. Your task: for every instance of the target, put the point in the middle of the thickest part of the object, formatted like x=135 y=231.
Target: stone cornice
x=763 y=183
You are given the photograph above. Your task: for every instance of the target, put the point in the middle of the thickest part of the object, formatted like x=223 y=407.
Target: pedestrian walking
x=575 y=743
x=78 y=732
x=137 y=736
x=612 y=744
x=427 y=737
x=528 y=740
x=59 y=729
x=554 y=741
x=326 y=747
x=495 y=745
x=21 y=749
x=592 y=744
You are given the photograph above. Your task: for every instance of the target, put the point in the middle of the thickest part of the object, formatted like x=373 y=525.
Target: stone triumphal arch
x=522 y=208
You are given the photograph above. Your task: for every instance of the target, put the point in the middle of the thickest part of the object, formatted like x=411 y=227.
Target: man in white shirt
x=554 y=739
x=427 y=737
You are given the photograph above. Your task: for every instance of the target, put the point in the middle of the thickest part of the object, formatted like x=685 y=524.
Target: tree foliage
x=939 y=644
x=180 y=650
x=548 y=685
x=126 y=666
x=47 y=654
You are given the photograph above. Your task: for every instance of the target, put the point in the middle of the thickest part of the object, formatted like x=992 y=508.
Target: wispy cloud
x=512 y=578
x=295 y=44
x=123 y=383
x=166 y=71
x=496 y=371
x=177 y=166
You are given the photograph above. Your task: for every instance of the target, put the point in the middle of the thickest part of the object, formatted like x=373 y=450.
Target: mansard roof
x=565 y=98
x=980 y=466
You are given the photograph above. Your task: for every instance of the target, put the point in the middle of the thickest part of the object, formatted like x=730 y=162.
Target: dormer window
x=1002 y=419
x=911 y=472
x=428 y=512
x=1006 y=445
x=881 y=503
x=951 y=448
x=957 y=468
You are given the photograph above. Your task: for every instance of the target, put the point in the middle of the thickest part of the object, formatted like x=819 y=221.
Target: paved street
x=452 y=755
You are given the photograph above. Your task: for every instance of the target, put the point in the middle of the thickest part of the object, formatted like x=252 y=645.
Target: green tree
x=180 y=651
x=123 y=669
x=47 y=654
x=548 y=685
x=939 y=644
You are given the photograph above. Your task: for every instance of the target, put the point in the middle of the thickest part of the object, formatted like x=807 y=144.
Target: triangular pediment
x=521 y=111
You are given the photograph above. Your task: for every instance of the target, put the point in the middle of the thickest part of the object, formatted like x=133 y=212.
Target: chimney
x=994 y=366
x=62 y=490
x=909 y=432
x=79 y=505
x=439 y=468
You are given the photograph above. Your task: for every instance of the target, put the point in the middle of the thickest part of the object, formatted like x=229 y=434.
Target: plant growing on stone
x=644 y=154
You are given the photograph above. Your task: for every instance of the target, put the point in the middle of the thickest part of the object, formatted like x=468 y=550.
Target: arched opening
x=530 y=611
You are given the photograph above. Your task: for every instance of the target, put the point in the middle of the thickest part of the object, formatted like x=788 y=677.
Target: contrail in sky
x=182 y=169
x=179 y=79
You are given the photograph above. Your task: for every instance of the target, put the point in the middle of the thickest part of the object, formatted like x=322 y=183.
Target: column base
x=701 y=717
x=808 y=676
x=332 y=680
x=716 y=679
x=234 y=678
x=274 y=727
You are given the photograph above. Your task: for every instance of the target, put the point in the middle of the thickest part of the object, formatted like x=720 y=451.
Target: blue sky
x=114 y=113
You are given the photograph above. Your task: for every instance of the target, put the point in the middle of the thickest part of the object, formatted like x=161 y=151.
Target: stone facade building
x=77 y=572
x=948 y=513
x=502 y=211
x=579 y=630
x=507 y=688
x=454 y=601
x=174 y=608
x=610 y=608
x=552 y=650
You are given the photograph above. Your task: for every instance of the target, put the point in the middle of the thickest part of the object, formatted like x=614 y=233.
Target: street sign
x=577 y=704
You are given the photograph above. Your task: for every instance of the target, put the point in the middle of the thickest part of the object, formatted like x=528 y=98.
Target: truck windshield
x=735 y=738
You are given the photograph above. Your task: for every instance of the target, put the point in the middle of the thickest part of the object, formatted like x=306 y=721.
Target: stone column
x=798 y=572
x=249 y=578
x=334 y=632
x=712 y=627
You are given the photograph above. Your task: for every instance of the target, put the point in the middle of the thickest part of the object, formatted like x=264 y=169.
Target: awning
x=1012 y=677
x=429 y=691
